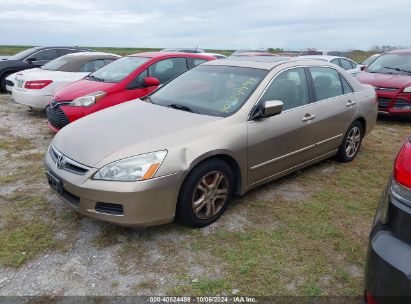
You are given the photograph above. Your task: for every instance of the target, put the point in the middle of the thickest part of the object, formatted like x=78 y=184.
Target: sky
x=211 y=24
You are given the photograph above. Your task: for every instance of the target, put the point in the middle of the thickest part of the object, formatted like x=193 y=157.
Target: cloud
x=228 y=24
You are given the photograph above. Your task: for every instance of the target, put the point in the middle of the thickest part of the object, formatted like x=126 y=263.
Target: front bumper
x=144 y=203
x=394 y=104
x=29 y=99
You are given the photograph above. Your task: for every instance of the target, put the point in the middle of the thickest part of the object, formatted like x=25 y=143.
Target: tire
x=3 y=82
x=351 y=144
x=209 y=184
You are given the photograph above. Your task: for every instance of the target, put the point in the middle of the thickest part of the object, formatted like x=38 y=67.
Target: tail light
x=37 y=84
x=369 y=298
x=402 y=166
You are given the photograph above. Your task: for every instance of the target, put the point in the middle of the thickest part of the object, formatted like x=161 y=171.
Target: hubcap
x=210 y=195
x=353 y=141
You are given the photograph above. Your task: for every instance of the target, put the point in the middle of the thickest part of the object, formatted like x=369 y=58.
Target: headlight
x=136 y=168
x=407 y=90
x=88 y=100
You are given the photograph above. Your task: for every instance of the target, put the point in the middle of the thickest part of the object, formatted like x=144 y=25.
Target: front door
x=281 y=142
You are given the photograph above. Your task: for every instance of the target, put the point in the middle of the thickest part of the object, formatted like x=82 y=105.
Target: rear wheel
x=205 y=193
x=351 y=144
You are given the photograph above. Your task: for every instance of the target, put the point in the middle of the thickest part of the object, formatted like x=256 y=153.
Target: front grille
x=401 y=103
x=65 y=163
x=9 y=83
x=56 y=117
x=108 y=208
x=385 y=89
x=383 y=102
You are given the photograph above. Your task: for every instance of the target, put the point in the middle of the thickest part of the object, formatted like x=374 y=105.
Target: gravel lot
x=283 y=238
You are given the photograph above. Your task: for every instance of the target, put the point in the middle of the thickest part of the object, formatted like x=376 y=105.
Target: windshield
x=210 y=90
x=55 y=64
x=398 y=64
x=118 y=70
x=23 y=54
x=370 y=59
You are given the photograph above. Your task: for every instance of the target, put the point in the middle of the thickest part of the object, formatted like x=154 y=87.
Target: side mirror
x=362 y=68
x=271 y=108
x=31 y=60
x=151 y=81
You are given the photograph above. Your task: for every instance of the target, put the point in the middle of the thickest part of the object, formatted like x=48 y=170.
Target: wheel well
x=234 y=167
x=361 y=120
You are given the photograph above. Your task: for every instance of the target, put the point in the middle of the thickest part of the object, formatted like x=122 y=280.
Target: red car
x=390 y=74
x=125 y=79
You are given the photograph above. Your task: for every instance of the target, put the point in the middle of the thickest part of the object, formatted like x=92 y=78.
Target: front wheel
x=351 y=144
x=205 y=193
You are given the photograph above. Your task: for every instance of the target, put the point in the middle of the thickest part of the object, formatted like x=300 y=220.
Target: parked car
x=390 y=74
x=35 y=87
x=32 y=58
x=252 y=54
x=125 y=79
x=194 y=50
x=347 y=64
x=256 y=50
x=368 y=61
x=322 y=52
x=222 y=128
x=183 y=50
x=387 y=270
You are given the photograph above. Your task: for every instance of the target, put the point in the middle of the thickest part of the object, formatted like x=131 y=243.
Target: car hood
x=125 y=130
x=385 y=80
x=81 y=88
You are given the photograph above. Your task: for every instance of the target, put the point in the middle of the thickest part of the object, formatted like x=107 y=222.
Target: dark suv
x=32 y=58
x=388 y=266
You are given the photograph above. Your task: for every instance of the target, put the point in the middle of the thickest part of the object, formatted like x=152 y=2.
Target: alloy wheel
x=353 y=141
x=210 y=195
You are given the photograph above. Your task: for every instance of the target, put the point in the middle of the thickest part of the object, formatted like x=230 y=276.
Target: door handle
x=350 y=103
x=308 y=117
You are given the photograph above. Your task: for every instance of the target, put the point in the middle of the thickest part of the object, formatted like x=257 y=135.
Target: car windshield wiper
x=181 y=107
x=94 y=78
x=397 y=69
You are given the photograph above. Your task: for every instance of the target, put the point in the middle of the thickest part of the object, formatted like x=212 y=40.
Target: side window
x=92 y=65
x=198 y=61
x=167 y=69
x=290 y=87
x=46 y=55
x=140 y=79
x=327 y=82
x=336 y=61
x=353 y=64
x=62 y=52
x=346 y=87
x=345 y=64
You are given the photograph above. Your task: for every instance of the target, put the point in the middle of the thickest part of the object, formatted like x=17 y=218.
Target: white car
x=10 y=82
x=343 y=62
x=35 y=87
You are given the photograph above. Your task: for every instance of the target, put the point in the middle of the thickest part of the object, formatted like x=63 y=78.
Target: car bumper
x=32 y=100
x=388 y=269
x=394 y=104
x=144 y=203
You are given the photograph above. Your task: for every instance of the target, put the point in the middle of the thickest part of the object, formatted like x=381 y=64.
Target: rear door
x=279 y=143
x=335 y=107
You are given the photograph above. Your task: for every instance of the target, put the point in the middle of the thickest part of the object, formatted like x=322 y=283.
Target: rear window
x=55 y=64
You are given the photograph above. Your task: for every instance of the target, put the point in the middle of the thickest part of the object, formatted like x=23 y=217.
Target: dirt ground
x=305 y=234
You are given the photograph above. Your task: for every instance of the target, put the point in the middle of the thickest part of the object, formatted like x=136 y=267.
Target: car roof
x=261 y=62
x=321 y=57
x=91 y=54
x=170 y=54
x=61 y=47
x=402 y=51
